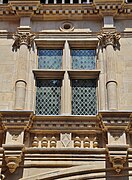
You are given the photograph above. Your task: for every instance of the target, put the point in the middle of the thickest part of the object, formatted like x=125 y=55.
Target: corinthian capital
x=109 y=38
x=25 y=38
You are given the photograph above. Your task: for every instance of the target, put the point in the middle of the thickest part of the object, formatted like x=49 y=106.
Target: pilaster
x=109 y=39
x=23 y=41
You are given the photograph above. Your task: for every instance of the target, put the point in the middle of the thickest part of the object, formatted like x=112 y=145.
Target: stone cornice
x=116 y=119
x=65 y=123
x=15 y=119
x=60 y=37
x=98 y=9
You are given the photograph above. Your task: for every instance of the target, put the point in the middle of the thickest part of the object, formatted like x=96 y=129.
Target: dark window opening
x=50 y=2
x=129 y=1
x=43 y=1
x=59 y=1
x=5 y=1
x=67 y=1
x=75 y=1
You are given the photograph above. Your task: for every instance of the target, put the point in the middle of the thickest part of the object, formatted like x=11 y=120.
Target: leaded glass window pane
x=50 y=58
x=83 y=59
x=48 y=97
x=84 y=97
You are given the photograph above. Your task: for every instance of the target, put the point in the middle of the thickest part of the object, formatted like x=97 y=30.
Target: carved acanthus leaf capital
x=109 y=38
x=25 y=38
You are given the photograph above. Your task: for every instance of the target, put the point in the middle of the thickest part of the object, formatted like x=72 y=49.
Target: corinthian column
x=23 y=42
x=110 y=41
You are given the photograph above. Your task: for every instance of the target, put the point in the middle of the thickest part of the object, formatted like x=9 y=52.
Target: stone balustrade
x=66 y=140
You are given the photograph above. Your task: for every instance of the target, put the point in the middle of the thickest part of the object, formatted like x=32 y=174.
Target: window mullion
x=67 y=56
x=66 y=95
x=66 y=87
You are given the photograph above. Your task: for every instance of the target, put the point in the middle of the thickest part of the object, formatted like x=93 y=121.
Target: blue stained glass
x=84 y=97
x=83 y=59
x=50 y=59
x=48 y=97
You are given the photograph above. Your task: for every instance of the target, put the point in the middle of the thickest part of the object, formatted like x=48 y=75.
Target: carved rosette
x=23 y=38
x=109 y=38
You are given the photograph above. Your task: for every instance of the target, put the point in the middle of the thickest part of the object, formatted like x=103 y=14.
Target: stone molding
x=96 y=9
x=109 y=38
x=16 y=119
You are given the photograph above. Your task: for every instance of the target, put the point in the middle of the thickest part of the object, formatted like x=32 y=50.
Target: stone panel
x=79 y=26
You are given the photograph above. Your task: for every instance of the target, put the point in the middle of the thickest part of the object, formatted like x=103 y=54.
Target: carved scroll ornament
x=109 y=38
x=25 y=38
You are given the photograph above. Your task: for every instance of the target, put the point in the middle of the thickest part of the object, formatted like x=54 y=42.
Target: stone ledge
x=65 y=150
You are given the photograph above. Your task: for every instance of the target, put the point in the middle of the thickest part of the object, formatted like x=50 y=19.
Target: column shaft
x=111 y=78
x=23 y=41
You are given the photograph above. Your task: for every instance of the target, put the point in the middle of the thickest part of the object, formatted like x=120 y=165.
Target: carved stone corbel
x=13 y=162
x=109 y=38
x=13 y=156
x=118 y=163
x=25 y=38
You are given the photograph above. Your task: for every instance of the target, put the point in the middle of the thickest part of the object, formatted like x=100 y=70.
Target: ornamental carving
x=23 y=38
x=65 y=139
x=118 y=163
x=109 y=38
x=12 y=162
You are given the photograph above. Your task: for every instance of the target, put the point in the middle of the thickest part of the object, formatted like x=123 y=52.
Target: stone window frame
x=66 y=74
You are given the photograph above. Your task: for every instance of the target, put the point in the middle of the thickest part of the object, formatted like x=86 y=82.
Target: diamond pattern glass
x=83 y=59
x=48 y=97
x=49 y=59
x=84 y=97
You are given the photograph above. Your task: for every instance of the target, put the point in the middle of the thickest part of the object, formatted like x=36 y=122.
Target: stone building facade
x=66 y=90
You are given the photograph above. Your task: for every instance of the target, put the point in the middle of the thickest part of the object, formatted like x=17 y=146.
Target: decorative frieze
x=35 y=9
x=66 y=140
x=62 y=124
